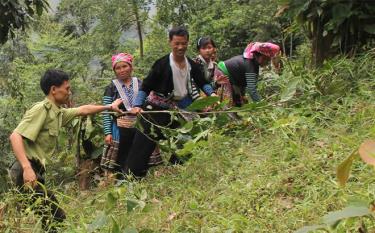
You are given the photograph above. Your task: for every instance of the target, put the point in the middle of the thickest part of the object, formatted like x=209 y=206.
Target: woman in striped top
x=120 y=133
x=243 y=70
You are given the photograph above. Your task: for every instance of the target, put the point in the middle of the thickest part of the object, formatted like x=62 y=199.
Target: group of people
x=174 y=81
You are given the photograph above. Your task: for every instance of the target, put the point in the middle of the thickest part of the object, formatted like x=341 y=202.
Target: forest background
x=274 y=171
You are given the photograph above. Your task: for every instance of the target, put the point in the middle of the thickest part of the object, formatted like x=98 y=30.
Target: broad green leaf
x=200 y=104
x=96 y=153
x=201 y=135
x=131 y=204
x=89 y=128
x=187 y=127
x=143 y=196
x=111 y=201
x=188 y=147
x=343 y=170
x=367 y=152
x=100 y=220
x=115 y=226
x=307 y=229
x=357 y=202
x=289 y=91
x=348 y=212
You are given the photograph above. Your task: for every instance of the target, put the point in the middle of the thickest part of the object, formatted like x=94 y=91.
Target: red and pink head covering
x=125 y=57
x=267 y=49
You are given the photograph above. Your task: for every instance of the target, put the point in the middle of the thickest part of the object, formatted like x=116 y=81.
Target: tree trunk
x=320 y=44
x=139 y=28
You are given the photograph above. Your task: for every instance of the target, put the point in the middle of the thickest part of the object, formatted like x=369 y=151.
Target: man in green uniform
x=35 y=138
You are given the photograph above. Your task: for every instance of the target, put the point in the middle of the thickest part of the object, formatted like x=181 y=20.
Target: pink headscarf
x=125 y=57
x=267 y=49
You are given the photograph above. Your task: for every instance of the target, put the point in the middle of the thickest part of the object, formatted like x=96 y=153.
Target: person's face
x=62 y=93
x=214 y=55
x=207 y=51
x=123 y=70
x=179 y=45
x=263 y=60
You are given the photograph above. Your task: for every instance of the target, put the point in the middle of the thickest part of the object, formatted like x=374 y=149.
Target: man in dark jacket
x=170 y=84
x=174 y=75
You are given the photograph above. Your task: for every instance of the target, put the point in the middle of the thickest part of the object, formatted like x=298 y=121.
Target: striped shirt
x=244 y=74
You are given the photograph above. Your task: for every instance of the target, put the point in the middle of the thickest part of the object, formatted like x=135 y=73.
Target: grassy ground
x=273 y=173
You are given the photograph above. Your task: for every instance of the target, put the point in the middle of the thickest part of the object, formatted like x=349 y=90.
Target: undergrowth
x=273 y=172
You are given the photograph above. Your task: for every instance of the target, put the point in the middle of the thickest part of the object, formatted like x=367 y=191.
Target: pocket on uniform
x=53 y=132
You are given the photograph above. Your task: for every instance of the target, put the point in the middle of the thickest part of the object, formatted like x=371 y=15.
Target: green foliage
x=17 y=14
x=332 y=219
x=232 y=24
x=333 y=27
x=271 y=171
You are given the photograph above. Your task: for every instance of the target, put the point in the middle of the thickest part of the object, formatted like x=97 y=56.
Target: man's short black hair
x=51 y=78
x=178 y=31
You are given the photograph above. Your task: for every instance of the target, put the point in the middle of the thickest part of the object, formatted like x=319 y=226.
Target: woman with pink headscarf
x=121 y=137
x=243 y=70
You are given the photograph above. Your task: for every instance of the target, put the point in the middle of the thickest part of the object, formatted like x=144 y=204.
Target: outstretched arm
x=92 y=109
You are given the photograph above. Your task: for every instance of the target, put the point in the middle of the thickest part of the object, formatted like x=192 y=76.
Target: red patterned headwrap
x=125 y=57
x=267 y=49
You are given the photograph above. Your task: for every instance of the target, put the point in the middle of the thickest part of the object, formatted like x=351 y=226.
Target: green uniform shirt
x=40 y=128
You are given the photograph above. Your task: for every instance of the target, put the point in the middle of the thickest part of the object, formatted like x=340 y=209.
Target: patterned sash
x=126 y=121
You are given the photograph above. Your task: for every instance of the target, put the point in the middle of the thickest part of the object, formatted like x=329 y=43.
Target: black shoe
x=175 y=160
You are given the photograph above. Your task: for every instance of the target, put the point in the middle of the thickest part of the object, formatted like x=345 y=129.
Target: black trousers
x=48 y=208
x=134 y=151
x=154 y=132
x=162 y=119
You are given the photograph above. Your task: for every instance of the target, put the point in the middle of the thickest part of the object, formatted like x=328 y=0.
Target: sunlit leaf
x=188 y=147
x=307 y=229
x=200 y=104
x=143 y=195
x=367 y=152
x=343 y=170
x=289 y=91
x=100 y=220
x=89 y=127
x=201 y=135
x=131 y=204
x=187 y=127
x=348 y=212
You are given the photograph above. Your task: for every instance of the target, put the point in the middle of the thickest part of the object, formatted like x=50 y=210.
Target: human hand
x=108 y=139
x=222 y=79
x=29 y=177
x=136 y=110
x=115 y=104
